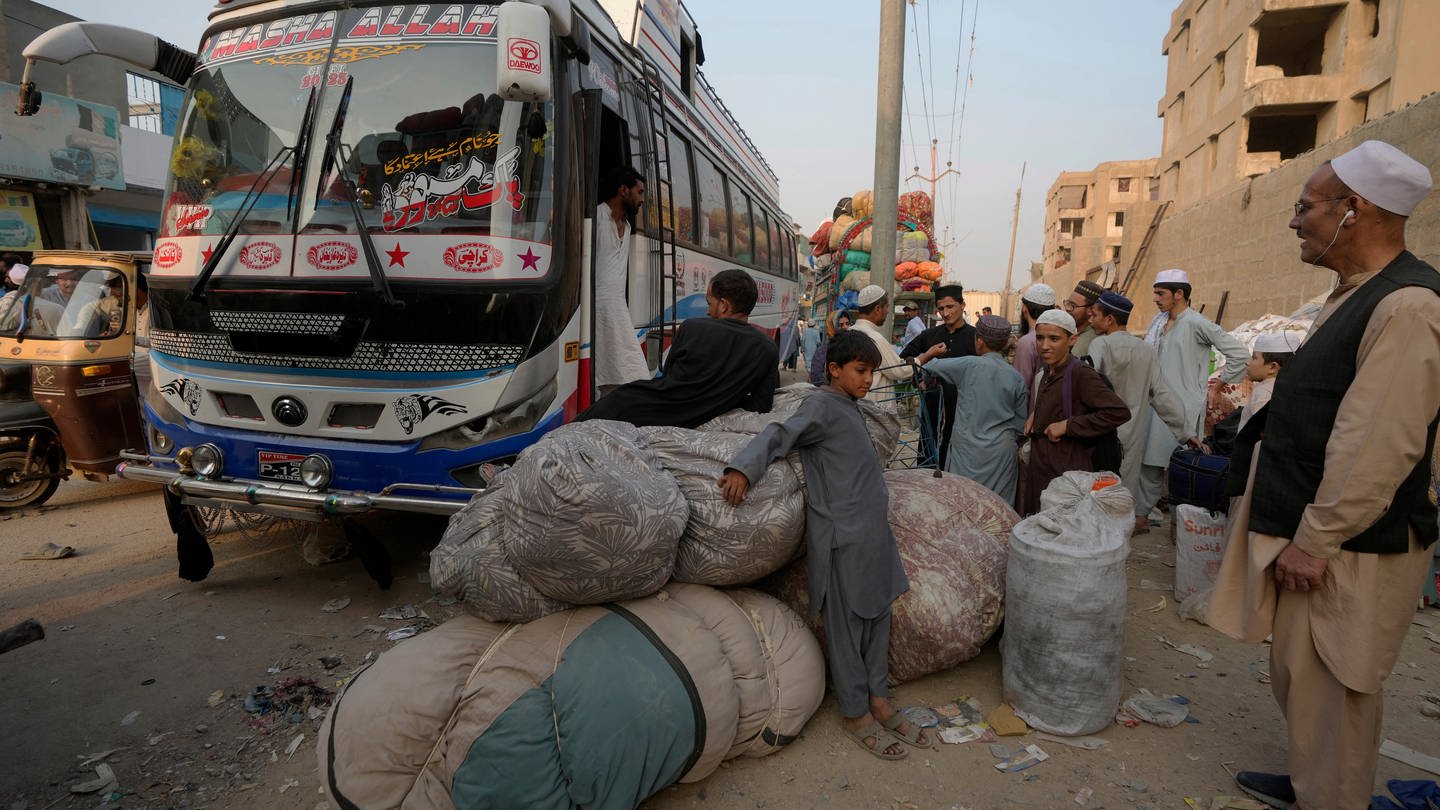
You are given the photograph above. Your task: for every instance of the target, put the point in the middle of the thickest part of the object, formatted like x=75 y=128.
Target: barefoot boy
x=855 y=568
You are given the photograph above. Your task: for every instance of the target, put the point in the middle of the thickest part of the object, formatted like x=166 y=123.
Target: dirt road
x=134 y=658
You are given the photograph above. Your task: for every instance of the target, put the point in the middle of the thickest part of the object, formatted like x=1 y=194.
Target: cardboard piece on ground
x=1409 y=756
x=1003 y=722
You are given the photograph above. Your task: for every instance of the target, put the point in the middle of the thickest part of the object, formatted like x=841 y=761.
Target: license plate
x=275 y=466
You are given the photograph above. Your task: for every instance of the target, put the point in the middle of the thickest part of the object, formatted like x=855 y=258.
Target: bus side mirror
x=523 y=60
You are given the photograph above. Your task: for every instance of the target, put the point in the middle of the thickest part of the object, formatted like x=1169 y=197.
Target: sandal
x=897 y=720
x=883 y=740
x=49 y=551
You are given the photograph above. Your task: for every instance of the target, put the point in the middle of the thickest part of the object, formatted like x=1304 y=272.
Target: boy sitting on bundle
x=855 y=568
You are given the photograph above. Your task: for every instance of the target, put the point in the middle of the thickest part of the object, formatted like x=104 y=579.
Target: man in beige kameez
x=1338 y=591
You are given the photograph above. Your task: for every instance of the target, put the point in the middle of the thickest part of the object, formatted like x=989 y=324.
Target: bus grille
x=368 y=355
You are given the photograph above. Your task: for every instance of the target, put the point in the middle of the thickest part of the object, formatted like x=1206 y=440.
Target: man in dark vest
x=1332 y=536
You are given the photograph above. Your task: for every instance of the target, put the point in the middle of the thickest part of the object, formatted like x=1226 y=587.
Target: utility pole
x=1014 y=226
x=949 y=169
x=890 y=90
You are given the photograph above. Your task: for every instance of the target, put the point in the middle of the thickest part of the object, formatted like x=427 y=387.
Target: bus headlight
x=207 y=460
x=316 y=471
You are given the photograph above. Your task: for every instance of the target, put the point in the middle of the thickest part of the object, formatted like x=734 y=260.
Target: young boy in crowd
x=855 y=570
x=1272 y=349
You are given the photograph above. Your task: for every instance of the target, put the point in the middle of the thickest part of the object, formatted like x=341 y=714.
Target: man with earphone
x=1333 y=536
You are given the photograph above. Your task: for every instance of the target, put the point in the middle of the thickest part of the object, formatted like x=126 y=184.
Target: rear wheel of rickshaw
x=16 y=493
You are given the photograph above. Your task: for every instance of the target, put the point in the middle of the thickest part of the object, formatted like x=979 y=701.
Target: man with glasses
x=1078 y=305
x=1333 y=534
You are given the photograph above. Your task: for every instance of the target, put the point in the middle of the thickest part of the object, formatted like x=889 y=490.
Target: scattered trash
x=330 y=662
x=216 y=698
x=49 y=551
x=1004 y=722
x=147 y=682
x=294 y=745
x=1085 y=743
x=104 y=781
x=1196 y=606
x=1147 y=585
x=291 y=783
x=1257 y=668
x=976 y=732
x=1138 y=786
x=1204 y=655
x=962 y=711
x=1158 y=606
x=1227 y=803
x=1027 y=757
x=401 y=634
x=170 y=596
x=1082 y=796
x=158 y=738
x=403 y=613
x=336 y=605
x=921 y=716
x=129 y=719
x=369 y=628
x=1409 y=756
x=1155 y=710
x=91 y=759
x=219 y=638
x=259 y=701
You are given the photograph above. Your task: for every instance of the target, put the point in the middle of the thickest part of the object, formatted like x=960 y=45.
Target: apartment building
x=1087 y=214
x=1253 y=83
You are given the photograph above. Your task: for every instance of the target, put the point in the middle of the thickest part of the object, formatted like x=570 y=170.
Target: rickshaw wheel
x=24 y=493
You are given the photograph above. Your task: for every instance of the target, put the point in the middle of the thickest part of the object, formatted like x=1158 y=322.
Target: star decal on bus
x=205 y=254
x=531 y=259
x=397 y=256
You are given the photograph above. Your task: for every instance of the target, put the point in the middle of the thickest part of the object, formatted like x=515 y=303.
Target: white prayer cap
x=17 y=274
x=1172 y=276
x=870 y=295
x=1384 y=175
x=1042 y=294
x=1277 y=342
x=1057 y=317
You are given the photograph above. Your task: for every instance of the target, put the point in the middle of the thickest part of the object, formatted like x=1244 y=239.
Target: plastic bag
x=1199 y=547
x=1065 y=594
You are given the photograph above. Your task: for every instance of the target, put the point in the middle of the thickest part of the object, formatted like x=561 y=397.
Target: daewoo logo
x=168 y=254
x=473 y=257
x=332 y=256
x=524 y=54
x=260 y=255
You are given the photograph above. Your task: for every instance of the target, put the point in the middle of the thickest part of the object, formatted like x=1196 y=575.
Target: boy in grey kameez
x=854 y=566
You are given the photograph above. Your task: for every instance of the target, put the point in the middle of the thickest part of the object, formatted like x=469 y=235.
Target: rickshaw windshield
x=65 y=302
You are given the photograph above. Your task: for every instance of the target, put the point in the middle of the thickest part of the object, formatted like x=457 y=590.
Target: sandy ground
x=134 y=657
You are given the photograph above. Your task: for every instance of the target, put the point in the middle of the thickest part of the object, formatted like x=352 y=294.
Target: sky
x=1056 y=85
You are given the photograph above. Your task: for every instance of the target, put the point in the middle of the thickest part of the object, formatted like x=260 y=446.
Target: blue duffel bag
x=1198 y=479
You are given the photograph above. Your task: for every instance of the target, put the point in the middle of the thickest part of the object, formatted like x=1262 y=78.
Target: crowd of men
x=1331 y=532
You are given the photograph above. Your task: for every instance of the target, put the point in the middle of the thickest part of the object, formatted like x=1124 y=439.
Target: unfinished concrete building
x=1253 y=83
x=1087 y=214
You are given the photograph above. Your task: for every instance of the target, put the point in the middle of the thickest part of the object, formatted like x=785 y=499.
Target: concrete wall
x=1240 y=240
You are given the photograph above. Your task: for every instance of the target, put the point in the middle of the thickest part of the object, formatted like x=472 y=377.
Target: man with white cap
x=1034 y=302
x=1331 y=538
x=1134 y=369
x=1072 y=405
x=1183 y=340
x=873 y=305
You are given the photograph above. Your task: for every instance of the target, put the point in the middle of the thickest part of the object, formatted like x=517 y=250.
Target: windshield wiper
x=242 y=212
x=329 y=161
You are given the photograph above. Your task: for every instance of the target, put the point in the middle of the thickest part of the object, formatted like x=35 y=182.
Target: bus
x=373 y=287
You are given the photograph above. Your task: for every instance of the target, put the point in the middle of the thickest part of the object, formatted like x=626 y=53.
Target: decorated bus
x=373 y=282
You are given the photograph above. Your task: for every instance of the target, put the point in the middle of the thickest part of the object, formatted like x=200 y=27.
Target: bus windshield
x=421 y=142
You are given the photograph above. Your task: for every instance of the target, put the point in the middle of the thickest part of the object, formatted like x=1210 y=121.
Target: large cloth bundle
x=724 y=544
x=916 y=207
x=470 y=563
x=1065 y=630
x=952 y=534
x=884 y=426
x=593 y=518
x=596 y=706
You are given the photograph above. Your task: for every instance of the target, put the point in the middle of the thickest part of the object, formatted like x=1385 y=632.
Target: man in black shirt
x=959 y=339
x=715 y=364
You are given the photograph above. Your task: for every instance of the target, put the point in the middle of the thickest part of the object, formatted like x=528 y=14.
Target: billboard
x=19 y=227
x=67 y=141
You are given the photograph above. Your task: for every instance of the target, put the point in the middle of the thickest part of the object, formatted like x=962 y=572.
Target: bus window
x=742 y=235
x=714 y=217
x=682 y=189
x=762 y=239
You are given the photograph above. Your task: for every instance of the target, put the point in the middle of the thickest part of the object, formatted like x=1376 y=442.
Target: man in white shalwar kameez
x=617 y=353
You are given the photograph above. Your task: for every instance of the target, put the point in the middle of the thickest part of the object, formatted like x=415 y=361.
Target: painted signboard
x=66 y=141
x=19 y=227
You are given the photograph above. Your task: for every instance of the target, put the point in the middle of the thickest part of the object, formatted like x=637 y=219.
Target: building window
x=154 y=106
x=1219 y=72
x=1072 y=227
x=1119 y=219
x=1122 y=185
x=1289 y=135
x=1072 y=197
x=1294 y=40
x=1063 y=257
x=1372 y=16
x=1115 y=254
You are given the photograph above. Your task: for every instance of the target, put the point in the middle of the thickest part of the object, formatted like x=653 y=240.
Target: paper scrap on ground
x=1204 y=655
x=1409 y=756
x=1004 y=722
x=1027 y=757
x=1087 y=743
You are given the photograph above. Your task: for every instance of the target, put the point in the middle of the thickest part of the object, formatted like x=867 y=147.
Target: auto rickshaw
x=74 y=320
